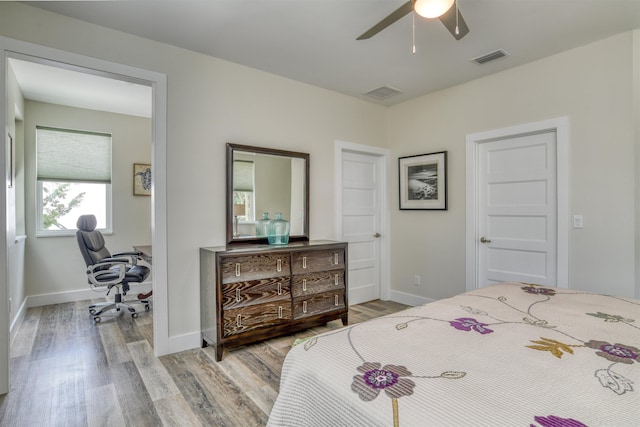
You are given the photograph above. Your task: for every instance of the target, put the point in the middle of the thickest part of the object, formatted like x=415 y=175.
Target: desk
x=146 y=253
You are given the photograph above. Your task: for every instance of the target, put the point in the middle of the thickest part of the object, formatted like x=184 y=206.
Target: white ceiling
x=46 y=83
x=314 y=41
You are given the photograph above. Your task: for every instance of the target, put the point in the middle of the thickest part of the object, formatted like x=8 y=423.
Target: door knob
x=485 y=240
x=377 y=235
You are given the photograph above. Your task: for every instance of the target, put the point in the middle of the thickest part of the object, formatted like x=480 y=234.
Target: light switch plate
x=578 y=221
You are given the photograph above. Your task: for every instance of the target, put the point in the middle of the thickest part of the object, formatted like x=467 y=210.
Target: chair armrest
x=133 y=256
x=108 y=266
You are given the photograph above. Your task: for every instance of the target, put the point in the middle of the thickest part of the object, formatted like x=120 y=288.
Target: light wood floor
x=67 y=371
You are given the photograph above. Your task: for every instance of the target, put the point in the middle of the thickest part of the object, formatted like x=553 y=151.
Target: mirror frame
x=231 y=149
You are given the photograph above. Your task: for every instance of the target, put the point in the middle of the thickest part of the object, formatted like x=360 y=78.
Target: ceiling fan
x=444 y=10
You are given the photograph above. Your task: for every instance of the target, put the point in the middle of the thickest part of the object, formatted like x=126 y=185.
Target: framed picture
x=423 y=181
x=141 y=179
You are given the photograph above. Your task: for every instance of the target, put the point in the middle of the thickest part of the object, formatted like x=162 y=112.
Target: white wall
x=15 y=206
x=211 y=102
x=54 y=263
x=593 y=86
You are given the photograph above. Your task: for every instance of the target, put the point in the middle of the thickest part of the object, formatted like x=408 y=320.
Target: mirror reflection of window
x=243 y=189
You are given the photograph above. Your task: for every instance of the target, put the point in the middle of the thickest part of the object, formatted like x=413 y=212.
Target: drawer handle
x=237 y=269
x=335 y=299
x=335 y=259
x=336 y=280
x=279 y=265
x=304 y=262
x=304 y=306
x=304 y=285
x=279 y=288
x=239 y=321
x=279 y=312
x=238 y=298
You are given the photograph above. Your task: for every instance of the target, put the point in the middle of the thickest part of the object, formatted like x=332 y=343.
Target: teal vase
x=278 y=230
x=262 y=225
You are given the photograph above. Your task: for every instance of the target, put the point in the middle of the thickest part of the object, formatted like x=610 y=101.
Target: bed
x=510 y=354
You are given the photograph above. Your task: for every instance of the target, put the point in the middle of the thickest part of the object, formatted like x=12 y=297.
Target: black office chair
x=110 y=271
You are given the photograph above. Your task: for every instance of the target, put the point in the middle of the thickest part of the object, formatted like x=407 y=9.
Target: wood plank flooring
x=67 y=371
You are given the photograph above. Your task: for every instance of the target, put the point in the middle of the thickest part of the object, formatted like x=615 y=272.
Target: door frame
x=11 y=48
x=561 y=127
x=340 y=148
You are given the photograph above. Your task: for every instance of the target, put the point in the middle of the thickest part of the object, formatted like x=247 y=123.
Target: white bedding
x=511 y=354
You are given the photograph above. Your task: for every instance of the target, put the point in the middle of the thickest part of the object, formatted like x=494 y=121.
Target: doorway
x=10 y=48
x=517 y=205
x=361 y=218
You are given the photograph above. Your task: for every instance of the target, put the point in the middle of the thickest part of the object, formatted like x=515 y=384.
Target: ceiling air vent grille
x=490 y=57
x=383 y=92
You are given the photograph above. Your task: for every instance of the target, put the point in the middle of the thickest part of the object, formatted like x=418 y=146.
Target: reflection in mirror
x=265 y=182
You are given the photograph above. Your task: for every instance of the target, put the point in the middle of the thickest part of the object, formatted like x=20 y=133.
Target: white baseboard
x=189 y=341
x=79 y=295
x=17 y=321
x=408 y=299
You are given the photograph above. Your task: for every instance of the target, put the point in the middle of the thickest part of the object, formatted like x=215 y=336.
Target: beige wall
x=212 y=102
x=593 y=87
x=54 y=263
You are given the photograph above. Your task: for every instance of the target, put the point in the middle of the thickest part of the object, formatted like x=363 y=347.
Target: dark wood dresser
x=255 y=292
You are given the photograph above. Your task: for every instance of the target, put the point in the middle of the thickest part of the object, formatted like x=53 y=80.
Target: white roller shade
x=73 y=156
x=242 y=175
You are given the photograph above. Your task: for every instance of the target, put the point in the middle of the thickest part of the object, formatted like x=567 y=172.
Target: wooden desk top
x=146 y=252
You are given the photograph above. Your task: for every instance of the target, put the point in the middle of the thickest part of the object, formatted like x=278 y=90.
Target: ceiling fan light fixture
x=432 y=8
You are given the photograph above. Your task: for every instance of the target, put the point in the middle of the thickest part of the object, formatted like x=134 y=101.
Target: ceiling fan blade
x=449 y=21
x=403 y=10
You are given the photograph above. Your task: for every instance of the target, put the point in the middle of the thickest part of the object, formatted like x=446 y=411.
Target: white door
x=517 y=210
x=361 y=223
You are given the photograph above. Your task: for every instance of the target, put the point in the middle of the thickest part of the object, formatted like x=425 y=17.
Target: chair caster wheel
x=146 y=307
x=134 y=315
x=92 y=311
x=96 y=319
x=131 y=309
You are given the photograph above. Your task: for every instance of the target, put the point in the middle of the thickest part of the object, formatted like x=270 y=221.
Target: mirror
x=262 y=180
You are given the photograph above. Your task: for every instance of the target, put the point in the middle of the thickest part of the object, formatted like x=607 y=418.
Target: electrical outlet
x=416 y=280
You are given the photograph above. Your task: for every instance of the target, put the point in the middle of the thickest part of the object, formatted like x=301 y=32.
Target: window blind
x=242 y=175
x=73 y=156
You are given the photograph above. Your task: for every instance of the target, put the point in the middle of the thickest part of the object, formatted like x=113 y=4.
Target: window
x=243 y=178
x=73 y=179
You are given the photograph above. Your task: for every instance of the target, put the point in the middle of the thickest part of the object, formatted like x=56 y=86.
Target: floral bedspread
x=511 y=354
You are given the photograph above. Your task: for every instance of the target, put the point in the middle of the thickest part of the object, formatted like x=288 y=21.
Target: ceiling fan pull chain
x=457 y=28
x=413 y=29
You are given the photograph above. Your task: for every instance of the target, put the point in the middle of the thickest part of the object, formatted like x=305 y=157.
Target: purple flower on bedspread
x=537 y=290
x=615 y=352
x=389 y=378
x=553 y=421
x=468 y=323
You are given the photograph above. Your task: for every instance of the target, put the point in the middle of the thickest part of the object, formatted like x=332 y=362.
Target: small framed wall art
x=141 y=179
x=423 y=181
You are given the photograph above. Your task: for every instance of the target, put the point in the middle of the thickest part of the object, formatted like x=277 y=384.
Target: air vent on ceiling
x=382 y=92
x=490 y=57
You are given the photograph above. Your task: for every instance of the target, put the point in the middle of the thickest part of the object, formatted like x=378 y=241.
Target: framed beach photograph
x=423 y=181
x=141 y=179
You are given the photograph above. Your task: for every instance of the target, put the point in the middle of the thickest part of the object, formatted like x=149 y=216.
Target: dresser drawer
x=245 y=319
x=254 y=267
x=240 y=294
x=311 y=261
x=314 y=283
x=318 y=304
